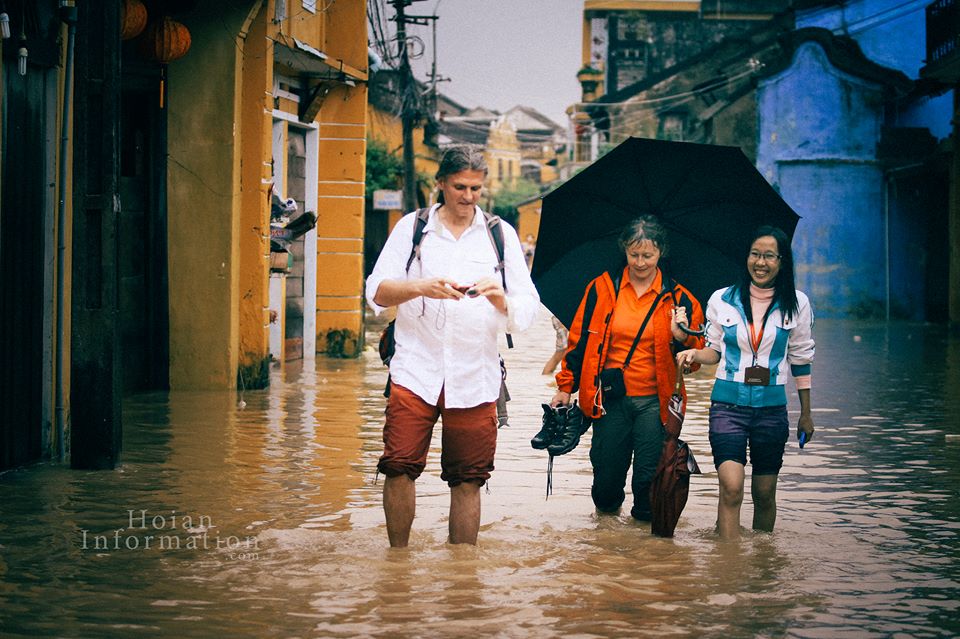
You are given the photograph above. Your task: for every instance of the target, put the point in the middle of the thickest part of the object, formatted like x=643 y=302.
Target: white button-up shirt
x=452 y=344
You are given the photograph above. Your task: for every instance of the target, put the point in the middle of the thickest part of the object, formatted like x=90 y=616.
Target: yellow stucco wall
x=255 y=126
x=340 y=218
x=388 y=129
x=203 y=200
x=528 y=219
x=503 y=156
x=220 y=148
x=339 y=31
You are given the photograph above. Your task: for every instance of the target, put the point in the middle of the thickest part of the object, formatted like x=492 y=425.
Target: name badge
x=757 y=376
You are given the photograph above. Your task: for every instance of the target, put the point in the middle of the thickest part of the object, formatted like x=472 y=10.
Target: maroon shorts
x=469 y=438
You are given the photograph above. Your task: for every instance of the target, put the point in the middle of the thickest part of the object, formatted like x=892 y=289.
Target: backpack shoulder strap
x=423 y=215
x=495 y=233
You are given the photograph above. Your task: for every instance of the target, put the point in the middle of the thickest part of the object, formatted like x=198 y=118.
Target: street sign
x=387 y=200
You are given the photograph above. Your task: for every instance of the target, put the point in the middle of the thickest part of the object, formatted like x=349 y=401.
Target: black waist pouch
x=612 y=384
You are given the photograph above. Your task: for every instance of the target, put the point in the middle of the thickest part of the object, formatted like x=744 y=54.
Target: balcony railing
x=943 y=30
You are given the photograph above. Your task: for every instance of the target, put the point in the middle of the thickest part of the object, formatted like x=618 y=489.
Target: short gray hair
x=461 y=157
x=645 y=227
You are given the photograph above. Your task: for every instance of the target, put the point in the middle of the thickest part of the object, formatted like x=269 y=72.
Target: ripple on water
x=865 y=546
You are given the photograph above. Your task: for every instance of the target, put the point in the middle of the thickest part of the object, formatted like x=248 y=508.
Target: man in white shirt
x=451 y=305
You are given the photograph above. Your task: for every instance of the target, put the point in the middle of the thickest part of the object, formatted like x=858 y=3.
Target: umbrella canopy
x=710 y=199
x=671 y=482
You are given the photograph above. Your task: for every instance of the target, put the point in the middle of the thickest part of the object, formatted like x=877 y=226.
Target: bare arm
x=396 y=292
x=698 y=356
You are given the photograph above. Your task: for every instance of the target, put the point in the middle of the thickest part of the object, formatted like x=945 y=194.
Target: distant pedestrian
x=757 y=330
x=451 y=305
x=529 y=248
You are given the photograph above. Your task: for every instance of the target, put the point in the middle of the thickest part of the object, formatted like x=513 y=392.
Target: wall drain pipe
x=68 y=14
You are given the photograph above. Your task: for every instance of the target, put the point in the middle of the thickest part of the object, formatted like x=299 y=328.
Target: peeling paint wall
x=819 y=131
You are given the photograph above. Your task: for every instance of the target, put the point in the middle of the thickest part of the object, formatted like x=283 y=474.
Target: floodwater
x=276 y=510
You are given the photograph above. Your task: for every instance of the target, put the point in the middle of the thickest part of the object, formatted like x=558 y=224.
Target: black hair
x=785 y=285
x=645 y=227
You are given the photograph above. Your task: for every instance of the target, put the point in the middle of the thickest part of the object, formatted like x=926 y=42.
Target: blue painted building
x=851 y=141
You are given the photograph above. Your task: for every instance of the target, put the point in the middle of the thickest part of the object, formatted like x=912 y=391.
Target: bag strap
x=423 y=215
x=646 y=319
x=495 y=233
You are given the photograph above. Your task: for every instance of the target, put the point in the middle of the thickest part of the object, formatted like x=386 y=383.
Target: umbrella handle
x=690 y=331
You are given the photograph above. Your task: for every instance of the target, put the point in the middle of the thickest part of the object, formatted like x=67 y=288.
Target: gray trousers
x=631 y=430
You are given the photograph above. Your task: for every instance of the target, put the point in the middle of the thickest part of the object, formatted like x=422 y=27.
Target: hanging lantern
x=165 y=40
x=133 y=19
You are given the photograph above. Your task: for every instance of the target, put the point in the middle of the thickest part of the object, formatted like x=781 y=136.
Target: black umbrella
x=710 y=198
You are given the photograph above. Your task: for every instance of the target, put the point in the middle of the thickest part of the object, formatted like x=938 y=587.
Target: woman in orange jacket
x=620 y=355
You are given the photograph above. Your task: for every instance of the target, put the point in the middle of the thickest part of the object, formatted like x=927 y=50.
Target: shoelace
x=549 y=478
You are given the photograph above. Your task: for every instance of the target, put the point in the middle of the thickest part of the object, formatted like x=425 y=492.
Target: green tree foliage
x=505 y=201
x=384 y=169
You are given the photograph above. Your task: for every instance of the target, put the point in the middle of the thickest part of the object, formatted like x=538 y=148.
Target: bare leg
x=464 y=513
x=399 y=506
x=731 y=497
x=763 y=489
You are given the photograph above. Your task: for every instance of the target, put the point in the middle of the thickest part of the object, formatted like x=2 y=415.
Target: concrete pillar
x=254 y=238
x=203 y=209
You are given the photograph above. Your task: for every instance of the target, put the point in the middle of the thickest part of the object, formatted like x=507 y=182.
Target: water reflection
x=285 y=534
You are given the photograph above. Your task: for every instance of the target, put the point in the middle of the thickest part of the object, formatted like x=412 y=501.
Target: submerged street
x=266 y=520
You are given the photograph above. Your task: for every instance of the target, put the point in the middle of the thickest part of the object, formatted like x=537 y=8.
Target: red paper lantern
x=133 y=19
x=165 y=40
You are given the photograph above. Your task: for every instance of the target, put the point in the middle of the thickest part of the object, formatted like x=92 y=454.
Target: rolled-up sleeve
x=392 y=262
x=713 y=331
x=523 y=301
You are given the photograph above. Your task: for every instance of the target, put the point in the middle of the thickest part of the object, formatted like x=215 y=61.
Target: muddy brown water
x=266 y=521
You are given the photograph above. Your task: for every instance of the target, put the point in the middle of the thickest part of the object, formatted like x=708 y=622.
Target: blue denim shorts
x=765 y=429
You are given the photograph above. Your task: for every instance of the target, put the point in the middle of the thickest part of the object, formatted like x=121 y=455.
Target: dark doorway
x=375 y=231
x=296 y=167
x=22 y=214
x=936 y=202
x=144 y=320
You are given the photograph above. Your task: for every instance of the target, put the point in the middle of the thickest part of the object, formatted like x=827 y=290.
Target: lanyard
x=756 y=338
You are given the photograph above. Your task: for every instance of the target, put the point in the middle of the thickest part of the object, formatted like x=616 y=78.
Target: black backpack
x=388 y=344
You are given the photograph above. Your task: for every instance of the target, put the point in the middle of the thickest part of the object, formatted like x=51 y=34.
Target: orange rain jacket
x=587 y=349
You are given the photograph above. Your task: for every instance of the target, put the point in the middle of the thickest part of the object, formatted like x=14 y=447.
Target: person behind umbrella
x=451 y=305
x=759 y=329
x=606 y=344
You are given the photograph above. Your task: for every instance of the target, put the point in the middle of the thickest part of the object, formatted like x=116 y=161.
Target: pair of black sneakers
x=562 y=428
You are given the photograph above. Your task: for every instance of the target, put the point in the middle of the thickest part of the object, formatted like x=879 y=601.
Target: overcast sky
x=501 y=53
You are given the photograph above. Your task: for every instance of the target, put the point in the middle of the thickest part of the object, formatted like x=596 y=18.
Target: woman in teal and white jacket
x=758 y=330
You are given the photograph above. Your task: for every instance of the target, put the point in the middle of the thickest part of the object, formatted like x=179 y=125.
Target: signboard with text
x=387 y=200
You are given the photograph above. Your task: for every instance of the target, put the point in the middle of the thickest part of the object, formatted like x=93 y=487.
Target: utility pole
x=409 y=107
